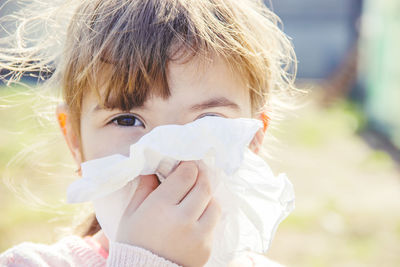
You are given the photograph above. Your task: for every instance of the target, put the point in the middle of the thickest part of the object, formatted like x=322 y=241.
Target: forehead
x=203 y=77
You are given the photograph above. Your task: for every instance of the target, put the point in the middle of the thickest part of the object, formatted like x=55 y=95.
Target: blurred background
x=341 y=149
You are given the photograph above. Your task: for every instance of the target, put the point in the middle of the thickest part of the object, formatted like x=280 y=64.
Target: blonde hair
x=137 y=40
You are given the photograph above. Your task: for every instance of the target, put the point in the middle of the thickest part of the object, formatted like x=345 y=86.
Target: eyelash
x=210 y=114
x=117 y=121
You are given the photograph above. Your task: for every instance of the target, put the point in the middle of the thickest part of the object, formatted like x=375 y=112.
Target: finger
x=210 y=217
x=178 y=183
x=196 y=201
x=147 y=184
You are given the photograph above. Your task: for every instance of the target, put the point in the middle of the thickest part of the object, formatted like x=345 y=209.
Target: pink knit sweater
x=74 y=251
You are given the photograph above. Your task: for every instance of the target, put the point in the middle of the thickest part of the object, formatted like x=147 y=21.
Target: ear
x=258 y=138
x=257 y=141
x=70 y=136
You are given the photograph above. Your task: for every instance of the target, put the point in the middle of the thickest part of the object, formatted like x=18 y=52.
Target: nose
x=166 y=119
x=166 y=114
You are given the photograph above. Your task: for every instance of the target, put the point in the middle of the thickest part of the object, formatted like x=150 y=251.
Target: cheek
x=97 y=143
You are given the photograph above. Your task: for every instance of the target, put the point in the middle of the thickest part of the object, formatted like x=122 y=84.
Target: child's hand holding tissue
x=177 y=219
x=195 y=162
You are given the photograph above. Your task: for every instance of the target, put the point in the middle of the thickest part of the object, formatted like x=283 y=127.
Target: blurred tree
x=379 y=68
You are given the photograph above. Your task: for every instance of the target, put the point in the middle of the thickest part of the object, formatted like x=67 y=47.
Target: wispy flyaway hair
x=129 y=43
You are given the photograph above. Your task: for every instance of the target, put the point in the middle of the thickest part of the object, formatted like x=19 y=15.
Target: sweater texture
x=74 y=251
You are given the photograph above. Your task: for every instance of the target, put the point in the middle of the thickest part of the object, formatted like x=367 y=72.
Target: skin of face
x=197 y=90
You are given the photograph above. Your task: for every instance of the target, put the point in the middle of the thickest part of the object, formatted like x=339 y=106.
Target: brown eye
x=127 y=121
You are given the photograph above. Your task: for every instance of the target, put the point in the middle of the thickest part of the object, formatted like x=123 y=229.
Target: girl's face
x=195 y=92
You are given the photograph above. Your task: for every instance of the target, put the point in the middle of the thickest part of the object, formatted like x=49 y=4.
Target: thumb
x=147 y=184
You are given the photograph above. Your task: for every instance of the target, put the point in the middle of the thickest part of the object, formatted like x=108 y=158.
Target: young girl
x=128 y=66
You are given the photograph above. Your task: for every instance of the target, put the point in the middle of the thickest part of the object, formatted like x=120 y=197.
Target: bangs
x=128 y=46
x=135 y=40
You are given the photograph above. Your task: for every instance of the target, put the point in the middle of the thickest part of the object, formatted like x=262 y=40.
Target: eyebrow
x=215 y=102
x=101 y=108
x=210 y=103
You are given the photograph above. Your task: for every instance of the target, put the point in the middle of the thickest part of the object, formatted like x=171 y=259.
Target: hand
x=175 y=221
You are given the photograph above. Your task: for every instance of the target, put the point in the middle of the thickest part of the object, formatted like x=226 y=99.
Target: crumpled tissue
x=252 y=199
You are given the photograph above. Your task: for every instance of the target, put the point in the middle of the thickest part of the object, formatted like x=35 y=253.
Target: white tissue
x=252 y=199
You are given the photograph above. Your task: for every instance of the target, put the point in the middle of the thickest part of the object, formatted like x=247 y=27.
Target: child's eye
x=127 y=120
x=209 y=115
